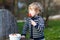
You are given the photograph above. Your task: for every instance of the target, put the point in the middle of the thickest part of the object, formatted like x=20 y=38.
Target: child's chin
x=30 y=16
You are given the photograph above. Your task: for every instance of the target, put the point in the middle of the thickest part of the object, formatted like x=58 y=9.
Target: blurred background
x=51 y=7
x=51 y=14
x=19 y=7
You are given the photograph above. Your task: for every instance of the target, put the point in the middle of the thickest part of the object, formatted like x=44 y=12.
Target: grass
x=52 y=32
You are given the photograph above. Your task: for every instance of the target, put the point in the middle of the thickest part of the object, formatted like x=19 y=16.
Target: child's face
x=32 y=11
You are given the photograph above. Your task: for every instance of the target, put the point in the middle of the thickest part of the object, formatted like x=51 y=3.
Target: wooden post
x=15 y=7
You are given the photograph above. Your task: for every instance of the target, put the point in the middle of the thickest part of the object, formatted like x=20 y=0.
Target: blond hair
x=36 y=5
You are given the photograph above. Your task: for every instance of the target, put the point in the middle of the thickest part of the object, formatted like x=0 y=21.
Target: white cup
x=14 y=36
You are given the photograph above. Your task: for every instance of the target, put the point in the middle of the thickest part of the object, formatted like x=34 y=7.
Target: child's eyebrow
x=31 y=8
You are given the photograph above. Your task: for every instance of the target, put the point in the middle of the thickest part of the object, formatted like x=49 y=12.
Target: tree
x=47 y=9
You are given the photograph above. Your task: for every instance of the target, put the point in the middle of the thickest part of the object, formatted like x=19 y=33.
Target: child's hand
x=33 y=22
x=22 y=36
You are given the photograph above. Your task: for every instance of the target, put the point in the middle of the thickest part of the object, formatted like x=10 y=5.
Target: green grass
x=52 y=32
x=20 y=27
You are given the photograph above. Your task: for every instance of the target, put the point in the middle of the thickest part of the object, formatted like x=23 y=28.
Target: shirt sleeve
x=40 y=25
x=25 y=28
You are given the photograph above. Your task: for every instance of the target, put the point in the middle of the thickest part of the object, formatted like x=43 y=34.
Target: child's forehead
x=33 y=7
x=36 y=5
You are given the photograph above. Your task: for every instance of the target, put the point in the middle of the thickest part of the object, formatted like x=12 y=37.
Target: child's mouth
x=29 y=15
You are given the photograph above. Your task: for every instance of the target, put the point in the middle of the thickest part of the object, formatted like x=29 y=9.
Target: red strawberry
x=29 y=15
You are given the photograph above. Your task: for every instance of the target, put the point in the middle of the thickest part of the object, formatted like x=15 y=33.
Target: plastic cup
x=14 y=36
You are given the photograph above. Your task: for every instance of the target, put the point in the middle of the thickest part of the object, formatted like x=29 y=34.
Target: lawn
x=52 y=32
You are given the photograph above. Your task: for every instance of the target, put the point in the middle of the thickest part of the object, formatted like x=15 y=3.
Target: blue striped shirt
x=36 y=31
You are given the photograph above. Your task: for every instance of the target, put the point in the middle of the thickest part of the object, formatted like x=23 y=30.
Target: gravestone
x=8 y=24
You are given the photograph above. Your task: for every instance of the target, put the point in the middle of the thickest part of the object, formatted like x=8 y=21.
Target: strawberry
x=29 y=15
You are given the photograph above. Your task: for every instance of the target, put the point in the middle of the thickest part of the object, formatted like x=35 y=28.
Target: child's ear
x=36 y=9
x=38 y=12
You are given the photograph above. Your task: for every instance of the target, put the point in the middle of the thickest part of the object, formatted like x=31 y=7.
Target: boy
x=34 y=22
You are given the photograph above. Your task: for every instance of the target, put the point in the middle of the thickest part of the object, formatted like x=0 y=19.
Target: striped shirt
x=36 y=31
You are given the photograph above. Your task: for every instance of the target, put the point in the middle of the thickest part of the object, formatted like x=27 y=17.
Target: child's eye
x=30 y=8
